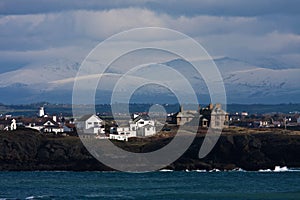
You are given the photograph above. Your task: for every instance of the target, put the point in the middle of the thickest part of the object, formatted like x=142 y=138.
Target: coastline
x=254 y=150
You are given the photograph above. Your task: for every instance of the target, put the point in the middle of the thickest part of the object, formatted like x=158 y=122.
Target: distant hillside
x=66 y=109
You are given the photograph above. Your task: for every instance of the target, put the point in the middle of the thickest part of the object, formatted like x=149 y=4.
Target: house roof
x=86 y=117
x=38 y=121
x=185 y=114
x=52 y=126
x=219 y=111
x=144 y=117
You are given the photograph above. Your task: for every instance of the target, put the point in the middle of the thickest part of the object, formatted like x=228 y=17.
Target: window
x=89 y=123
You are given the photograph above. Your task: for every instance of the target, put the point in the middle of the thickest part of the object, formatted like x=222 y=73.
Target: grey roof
x=185 y=114
x=144 y=117
x=86 y=117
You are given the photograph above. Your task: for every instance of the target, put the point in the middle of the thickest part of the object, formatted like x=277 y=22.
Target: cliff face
x=25 y=150
x=246 y=151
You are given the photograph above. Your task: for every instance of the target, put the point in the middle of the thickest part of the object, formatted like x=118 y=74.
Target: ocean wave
x=276 y=169
x=198 y=170
x=166 y=170
x=279 y=169
x=39 y=197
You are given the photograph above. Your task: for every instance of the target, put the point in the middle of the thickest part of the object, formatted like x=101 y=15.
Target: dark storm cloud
x=45 y=6
x=227 y=8
x=187 y=7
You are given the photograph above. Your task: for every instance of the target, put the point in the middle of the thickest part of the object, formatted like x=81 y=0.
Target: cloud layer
x=172 y=7
x=39 y=30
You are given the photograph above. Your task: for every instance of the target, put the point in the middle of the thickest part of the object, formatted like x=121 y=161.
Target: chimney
x=54 y=118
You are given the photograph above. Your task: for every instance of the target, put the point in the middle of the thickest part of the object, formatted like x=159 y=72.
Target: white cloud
x=102 y=24
x=72 y=33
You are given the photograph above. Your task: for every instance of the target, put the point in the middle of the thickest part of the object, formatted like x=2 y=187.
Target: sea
x=238 y=184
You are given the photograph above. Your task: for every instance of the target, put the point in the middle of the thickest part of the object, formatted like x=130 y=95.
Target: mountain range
x=264 y=81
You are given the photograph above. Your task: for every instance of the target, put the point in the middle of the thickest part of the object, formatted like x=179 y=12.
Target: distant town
x=140 y=124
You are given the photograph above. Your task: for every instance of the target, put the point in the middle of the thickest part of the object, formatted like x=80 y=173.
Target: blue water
x=156 y=185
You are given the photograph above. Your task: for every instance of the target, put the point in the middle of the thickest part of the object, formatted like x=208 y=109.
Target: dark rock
x=25 y=150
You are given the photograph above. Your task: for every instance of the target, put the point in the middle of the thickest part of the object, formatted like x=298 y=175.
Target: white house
x=121 y=137
x=147 y=130
x=218 y=118
x=45 y=125
x=91 y=124
x=139 y=126
x=11 y=126
x=143 y=126
x=127 y=130
x=52 y=126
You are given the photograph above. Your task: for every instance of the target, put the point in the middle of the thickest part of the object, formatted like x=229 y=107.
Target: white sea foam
x=214 y=170
x=265 y=170
x=198 y=170
x=280 y=169
x=37 y=197
x=277 y=169
x=238 y=170
x=166 y=170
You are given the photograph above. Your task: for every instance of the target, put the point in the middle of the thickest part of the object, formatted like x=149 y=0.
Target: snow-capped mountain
x=244 y=82
x=40 y=73
x=255 y=84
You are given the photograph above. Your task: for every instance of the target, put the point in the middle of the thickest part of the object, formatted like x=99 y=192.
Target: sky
x=33 y=31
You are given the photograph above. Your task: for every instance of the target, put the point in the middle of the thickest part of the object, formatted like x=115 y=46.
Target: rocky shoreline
x=24 y=150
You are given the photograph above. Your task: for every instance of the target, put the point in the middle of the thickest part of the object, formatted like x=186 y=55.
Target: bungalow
x=143 y=125
x=51 y=126
x=45 y=125
x=147 y=130
x=126 y=131
x=140 y=126
x=91 y=124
